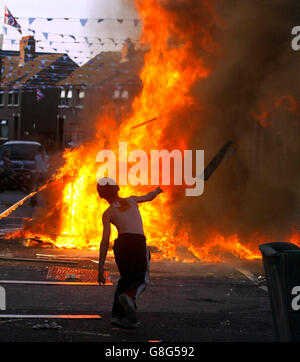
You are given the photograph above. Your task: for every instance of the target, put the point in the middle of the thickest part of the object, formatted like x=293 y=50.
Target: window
x=117 y=94
x=66 y=96
x=125 y=94
x=13 y=98
x=69 y=97
x=10 y=98
x=20 y=151
x=2 y=98
x=62 y=97
x=81 y=96
x=3 y=129
x=16 y=99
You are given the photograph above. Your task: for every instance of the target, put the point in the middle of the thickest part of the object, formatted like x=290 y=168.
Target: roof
x=21 y=143
x=45 y=69
x=107 y=68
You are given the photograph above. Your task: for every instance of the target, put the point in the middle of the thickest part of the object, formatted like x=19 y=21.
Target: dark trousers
x=132 y=258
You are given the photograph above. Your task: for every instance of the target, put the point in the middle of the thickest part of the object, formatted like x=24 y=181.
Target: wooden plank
x=220 y=156
x=36 y=282
x=57 y=261
x=50 y=316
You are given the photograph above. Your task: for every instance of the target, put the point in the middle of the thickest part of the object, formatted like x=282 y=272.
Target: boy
x=131 y=252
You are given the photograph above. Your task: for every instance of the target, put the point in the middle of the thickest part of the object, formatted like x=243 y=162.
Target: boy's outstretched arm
x=148 y=197
x=104 y=246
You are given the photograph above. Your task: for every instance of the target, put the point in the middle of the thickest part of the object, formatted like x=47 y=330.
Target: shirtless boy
x=130 y=249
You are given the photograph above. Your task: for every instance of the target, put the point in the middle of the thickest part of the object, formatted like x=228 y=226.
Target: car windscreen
x=20 y=152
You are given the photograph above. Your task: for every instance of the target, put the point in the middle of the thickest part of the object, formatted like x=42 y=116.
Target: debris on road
x=46 y=325
x=58 y=261
x=225 y=323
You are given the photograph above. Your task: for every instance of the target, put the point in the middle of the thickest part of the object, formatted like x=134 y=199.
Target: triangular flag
x=49 y=19
x=83 y=21
x=45 y=35
x=120 y=21
x=100 y=20
x=31 y=20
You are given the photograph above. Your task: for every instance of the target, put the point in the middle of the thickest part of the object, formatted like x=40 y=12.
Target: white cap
x=106 y=181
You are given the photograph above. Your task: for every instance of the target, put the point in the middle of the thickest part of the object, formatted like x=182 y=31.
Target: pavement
x=184 y=302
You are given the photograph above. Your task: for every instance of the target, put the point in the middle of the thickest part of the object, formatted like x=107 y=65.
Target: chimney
x=127 y=50
x=27 y=49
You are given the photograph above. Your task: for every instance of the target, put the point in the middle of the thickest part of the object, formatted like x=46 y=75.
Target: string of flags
x=61 y=46
x=10 y=20
x=47 y=40
x=59 y=69
x=86 y=40
x=75 y=37
x=58 y=18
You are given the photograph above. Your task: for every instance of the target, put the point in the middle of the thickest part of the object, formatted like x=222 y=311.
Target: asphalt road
x=196 y=302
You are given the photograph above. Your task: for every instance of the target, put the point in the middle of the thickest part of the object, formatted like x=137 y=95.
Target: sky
x=92 y=38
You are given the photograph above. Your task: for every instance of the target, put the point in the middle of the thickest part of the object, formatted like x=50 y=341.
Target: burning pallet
x=75 y=274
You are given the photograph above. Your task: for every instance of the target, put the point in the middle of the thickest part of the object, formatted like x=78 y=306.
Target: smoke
x=251 y=98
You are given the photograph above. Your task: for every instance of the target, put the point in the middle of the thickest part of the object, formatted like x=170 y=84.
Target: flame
x=168 y=75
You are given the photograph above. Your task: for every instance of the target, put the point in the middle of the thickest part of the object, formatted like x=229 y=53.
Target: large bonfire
x=169 y=72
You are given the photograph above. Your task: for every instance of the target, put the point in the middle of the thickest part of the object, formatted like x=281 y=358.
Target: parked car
x=22 y=153
x=22 y=165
